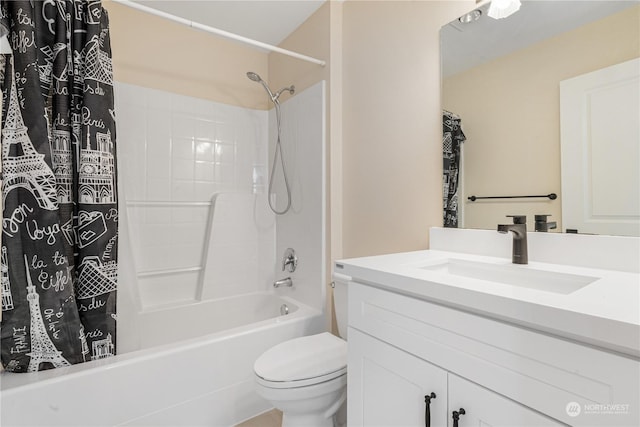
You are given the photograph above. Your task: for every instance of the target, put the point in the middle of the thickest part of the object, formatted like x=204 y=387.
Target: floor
x=272 y=418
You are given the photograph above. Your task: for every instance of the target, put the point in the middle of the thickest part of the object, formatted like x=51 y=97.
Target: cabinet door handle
x=427 y=410
x=456 y=416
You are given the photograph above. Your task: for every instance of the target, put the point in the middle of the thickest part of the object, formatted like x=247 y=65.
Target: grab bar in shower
x=178 y=204
x=205 y=247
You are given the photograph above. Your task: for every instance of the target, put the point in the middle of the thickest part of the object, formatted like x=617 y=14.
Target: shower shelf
x=169 y=271
x=165 y=203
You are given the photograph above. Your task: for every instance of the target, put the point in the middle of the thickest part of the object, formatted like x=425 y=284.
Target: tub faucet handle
x=290 y=260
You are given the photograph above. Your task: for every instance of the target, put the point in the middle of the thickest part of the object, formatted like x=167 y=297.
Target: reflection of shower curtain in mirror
x=59 y=225
x=452 y=139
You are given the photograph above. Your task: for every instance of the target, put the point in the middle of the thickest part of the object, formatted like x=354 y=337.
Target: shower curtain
x=60 y=216
x=452 y=139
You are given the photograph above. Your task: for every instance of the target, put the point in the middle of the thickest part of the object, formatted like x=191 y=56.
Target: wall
x=510 y=112
x=169 y=56
x=303 y=227
x=310 y=38
x=392 y=130
x=175 y=153
x=313 y=38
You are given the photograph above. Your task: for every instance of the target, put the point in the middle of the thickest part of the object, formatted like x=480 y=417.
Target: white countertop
x=604 y=313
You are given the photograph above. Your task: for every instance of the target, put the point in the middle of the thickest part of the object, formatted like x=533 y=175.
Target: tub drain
x=284 y=310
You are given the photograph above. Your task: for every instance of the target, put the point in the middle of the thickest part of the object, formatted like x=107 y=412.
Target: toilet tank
x=340 y=292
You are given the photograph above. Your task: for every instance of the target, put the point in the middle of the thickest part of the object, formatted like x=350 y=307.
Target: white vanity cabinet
x=392 y=388
x=388 y=386
x=403 y=348
x=485 y=408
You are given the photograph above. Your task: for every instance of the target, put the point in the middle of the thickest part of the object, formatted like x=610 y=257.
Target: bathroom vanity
x=441 y=337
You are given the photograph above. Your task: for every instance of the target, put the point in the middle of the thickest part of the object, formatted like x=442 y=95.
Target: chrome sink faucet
x=519 y=254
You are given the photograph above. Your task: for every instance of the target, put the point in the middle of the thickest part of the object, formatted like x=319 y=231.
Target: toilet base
x=307 y=420
x=309 y=406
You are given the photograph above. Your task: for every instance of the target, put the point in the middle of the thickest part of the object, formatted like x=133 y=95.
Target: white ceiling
x=268 y=21
x=467 y=45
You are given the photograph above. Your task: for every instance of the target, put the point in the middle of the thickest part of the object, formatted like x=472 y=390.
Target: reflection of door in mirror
x=510 y=100
x=600 y=141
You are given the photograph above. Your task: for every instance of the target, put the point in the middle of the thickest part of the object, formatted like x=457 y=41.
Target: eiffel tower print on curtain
x=60 y=214
x=42 y=348
x=23 y=166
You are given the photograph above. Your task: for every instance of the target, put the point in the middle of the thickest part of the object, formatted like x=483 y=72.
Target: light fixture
x=467 y=18
x=499 y=9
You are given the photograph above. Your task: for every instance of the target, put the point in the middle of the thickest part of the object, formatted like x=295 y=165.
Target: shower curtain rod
x=219 y=32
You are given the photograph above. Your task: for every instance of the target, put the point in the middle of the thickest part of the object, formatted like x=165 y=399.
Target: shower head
x=274 y=96
x=254 y=76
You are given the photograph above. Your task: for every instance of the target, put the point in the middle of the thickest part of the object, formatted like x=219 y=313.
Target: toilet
x=306 y=378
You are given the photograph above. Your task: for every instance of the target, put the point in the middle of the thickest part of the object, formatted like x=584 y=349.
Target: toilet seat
x=302 y=362
x=302 y=383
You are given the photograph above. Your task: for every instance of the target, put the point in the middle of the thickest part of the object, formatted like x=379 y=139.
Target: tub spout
x=283 y=282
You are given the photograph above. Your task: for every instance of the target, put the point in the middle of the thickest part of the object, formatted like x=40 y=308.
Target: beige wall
x=316 y=37
x=157 y=53
x=392 y=131
x=510 y=113
x=311 y=39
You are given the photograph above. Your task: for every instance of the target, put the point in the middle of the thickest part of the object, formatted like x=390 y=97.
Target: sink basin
x=514 y=275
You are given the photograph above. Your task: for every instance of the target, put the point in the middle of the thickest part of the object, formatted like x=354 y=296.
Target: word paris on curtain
x=60 y=212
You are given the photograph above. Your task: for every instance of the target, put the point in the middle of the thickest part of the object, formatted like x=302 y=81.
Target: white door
x=600 y=145
x=483 y=407
x=387 y=386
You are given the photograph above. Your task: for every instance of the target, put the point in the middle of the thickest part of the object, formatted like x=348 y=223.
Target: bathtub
x=194 y=368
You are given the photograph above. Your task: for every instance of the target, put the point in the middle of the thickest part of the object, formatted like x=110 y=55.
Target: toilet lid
x=303 y=358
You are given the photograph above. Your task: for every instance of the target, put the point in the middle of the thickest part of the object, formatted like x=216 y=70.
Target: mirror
x=503 y=79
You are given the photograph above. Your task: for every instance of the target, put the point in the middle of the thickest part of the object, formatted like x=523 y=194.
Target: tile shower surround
x=175 y=152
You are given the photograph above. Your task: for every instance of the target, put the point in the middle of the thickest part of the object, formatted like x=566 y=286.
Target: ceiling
x=466 y=45
x=266 y=20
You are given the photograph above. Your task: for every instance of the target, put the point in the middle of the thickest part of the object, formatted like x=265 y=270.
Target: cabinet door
x=387 y=387
x=485 y=408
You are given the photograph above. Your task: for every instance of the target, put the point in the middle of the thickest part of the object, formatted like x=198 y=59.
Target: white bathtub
x=195 y=368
